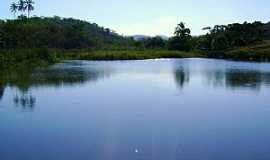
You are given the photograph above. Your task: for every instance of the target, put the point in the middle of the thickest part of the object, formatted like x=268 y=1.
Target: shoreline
x=42 y=57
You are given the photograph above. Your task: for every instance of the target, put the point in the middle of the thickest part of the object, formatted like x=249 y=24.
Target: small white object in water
x=136 y=150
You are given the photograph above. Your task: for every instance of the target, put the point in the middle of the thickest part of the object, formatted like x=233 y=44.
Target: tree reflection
x=251 y=79
x=215 y=78
x=2 y=89
x=23 y=79
x=181 y=77
x=25 y=102
x=238 y=78
x=2 y=85
x=228 y=77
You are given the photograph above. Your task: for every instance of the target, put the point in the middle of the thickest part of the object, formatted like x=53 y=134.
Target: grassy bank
x=41 y=57
x=258 y=52
x=130 y=54
x=30 y=57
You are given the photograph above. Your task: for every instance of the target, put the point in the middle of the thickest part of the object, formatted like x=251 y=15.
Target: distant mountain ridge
x=141 y=37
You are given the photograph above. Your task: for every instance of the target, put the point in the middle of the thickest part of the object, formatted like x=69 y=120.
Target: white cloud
x=158 y=26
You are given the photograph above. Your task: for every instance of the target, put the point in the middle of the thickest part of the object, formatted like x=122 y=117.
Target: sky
x=151 y=17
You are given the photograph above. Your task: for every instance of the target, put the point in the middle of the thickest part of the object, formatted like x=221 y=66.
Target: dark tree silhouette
x=21 y=5
x=29 y=6
x=14 y=8
x=180 y=41
x=181 y=31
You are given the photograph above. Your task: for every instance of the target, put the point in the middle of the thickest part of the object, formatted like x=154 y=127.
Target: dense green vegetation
x=131 y=54
x=44 y=40
x=67 y=33
x=55 y=32
x=32 y=57
x=222 y=37
x=257 y=52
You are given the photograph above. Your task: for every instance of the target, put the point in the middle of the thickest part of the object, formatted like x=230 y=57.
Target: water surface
x=190 y=109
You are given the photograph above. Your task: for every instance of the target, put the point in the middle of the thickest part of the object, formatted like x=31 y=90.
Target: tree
x=21 y=5
x=14 y=8
x=219 y=43
x=154 y=42
x=29 y=6
x=181 y=31
x=1 y=38
x=222 y=37
x=180 y=41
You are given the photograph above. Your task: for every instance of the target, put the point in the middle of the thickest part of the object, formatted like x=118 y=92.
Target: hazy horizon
x=154 y=17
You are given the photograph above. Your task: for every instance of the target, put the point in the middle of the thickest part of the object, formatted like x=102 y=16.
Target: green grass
x=29 y=57
x=41 y=57
x=130 y=54
x=258 y=52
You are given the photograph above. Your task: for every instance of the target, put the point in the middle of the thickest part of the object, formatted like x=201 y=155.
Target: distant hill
x=142 y=37
x=56 y=32
x=164 y=37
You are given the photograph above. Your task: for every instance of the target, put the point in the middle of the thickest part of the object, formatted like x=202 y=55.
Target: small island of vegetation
x=43 y=40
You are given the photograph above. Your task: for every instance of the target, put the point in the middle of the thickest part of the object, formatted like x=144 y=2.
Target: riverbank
x=41 y=57
x=259 y=52
x=28 y=57
x=130 y=54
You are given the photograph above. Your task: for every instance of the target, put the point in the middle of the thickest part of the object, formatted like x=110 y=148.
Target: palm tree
x=29 y=6
x=182 y=31
x=14 y=8
x=21 y=5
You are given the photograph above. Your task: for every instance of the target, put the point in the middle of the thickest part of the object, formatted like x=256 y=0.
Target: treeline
x=68 y=33
x=56 y=32
x=31 y=57
x=222 y=37
x=49 y=39
x=218 y=38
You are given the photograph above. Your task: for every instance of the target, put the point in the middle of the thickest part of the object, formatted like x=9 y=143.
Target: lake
x=177 y=109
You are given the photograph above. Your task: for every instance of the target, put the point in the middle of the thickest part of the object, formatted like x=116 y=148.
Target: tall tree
x=14 y=8
x=181 y=31
x=181 y=38
x=21 y=5
x=29 y=6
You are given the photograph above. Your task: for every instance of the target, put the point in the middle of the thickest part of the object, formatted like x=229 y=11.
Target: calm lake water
x=178 y=109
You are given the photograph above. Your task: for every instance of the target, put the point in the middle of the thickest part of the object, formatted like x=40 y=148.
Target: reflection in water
x=54 y=76
x=237 y=78
x=230 y=76
x=76 y=73
x=136 y=113
x=215 y=78
x=252 y=79
x=66 y=74
x=2 y=89
x=181 y=77
x=25 y=102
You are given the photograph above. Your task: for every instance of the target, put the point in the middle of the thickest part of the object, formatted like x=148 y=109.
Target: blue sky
x=151 y=17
